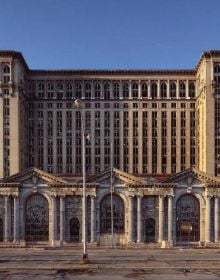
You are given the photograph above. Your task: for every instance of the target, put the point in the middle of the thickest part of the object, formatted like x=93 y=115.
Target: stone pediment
x=118 y=178
x=34 y=176
x=191 y=176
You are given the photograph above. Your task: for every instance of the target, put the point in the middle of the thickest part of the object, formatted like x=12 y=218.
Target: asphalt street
x=117 y=264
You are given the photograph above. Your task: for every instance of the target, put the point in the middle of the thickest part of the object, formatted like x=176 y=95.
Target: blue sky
x=134 y=34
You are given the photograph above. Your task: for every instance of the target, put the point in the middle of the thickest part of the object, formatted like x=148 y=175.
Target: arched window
x=106 y=91
x=217 y=68
x=41 y=90
x=192 y=89
x=125 y=90
x=118 y=214
x=144 y=90
x=187 y=218
x=6 y=69
x=41 y=86
x=6 y=73
x=78 y=90
x=69 y=90
x=37 y=218
x=50 y=88
x=116 y=91
x=182 y=90
x=59 y=86
x=172 y=90
x=97 y=91
x=88 y=93
x=163 y=90
x=59 y=90
x=154 y=90
x=134 y=92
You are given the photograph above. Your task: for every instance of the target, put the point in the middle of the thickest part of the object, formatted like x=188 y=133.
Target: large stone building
x=162 y=128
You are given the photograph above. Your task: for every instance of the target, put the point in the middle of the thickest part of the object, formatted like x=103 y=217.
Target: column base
x=166 y=244
x=56 y=243
x=140 y=244
x=92 y=244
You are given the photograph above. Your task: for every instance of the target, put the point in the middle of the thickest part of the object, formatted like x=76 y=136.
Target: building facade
x=161 y=129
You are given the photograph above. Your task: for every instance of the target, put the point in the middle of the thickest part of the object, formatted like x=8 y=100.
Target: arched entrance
x=187 y=218
x=118 y=214
x=150 y=230
x=74 y=230
x=106 y=222
x=37 y=218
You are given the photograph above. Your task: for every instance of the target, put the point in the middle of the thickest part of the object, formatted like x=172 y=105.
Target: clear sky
x=134 y=34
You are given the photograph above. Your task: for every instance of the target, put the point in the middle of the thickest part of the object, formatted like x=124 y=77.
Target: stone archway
x=187 y=218
x=37 y=218
x=106 y=237
x=118 y=214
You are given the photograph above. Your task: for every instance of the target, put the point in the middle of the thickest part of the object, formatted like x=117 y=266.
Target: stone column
x=62 y=219
x=16 y=218
x=161 y=218
x=170 y=220
x=6 y=231
x=139 y=219
x=208 y=220
x=216 y=215
x=54 y=221
x=130 y=220
x=93 y=214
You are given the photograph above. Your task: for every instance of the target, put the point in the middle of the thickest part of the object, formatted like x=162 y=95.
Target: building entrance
x=37 y=219
x=150 y=230
x=74 y=230
x=187 y=219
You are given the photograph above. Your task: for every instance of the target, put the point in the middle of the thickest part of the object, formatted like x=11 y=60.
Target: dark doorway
x=74 y=230
x=150 y=230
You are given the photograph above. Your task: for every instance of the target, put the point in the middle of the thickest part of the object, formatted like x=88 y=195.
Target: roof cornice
x=114 y=72
x=13 y=54
x=207 y=54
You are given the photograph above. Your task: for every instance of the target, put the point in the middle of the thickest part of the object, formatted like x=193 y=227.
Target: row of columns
x=62 y=220
x=170 y=219
x=138 y=91
x=139 y=219
x=7 y=219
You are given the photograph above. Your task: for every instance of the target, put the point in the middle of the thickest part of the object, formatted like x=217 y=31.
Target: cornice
x=207 y=54
x=13 y=54
x=113 y=72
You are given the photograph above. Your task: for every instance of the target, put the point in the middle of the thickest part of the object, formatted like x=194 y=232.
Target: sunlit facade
x=161 y=128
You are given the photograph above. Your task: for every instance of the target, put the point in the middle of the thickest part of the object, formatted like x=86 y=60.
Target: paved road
x=144 y=264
